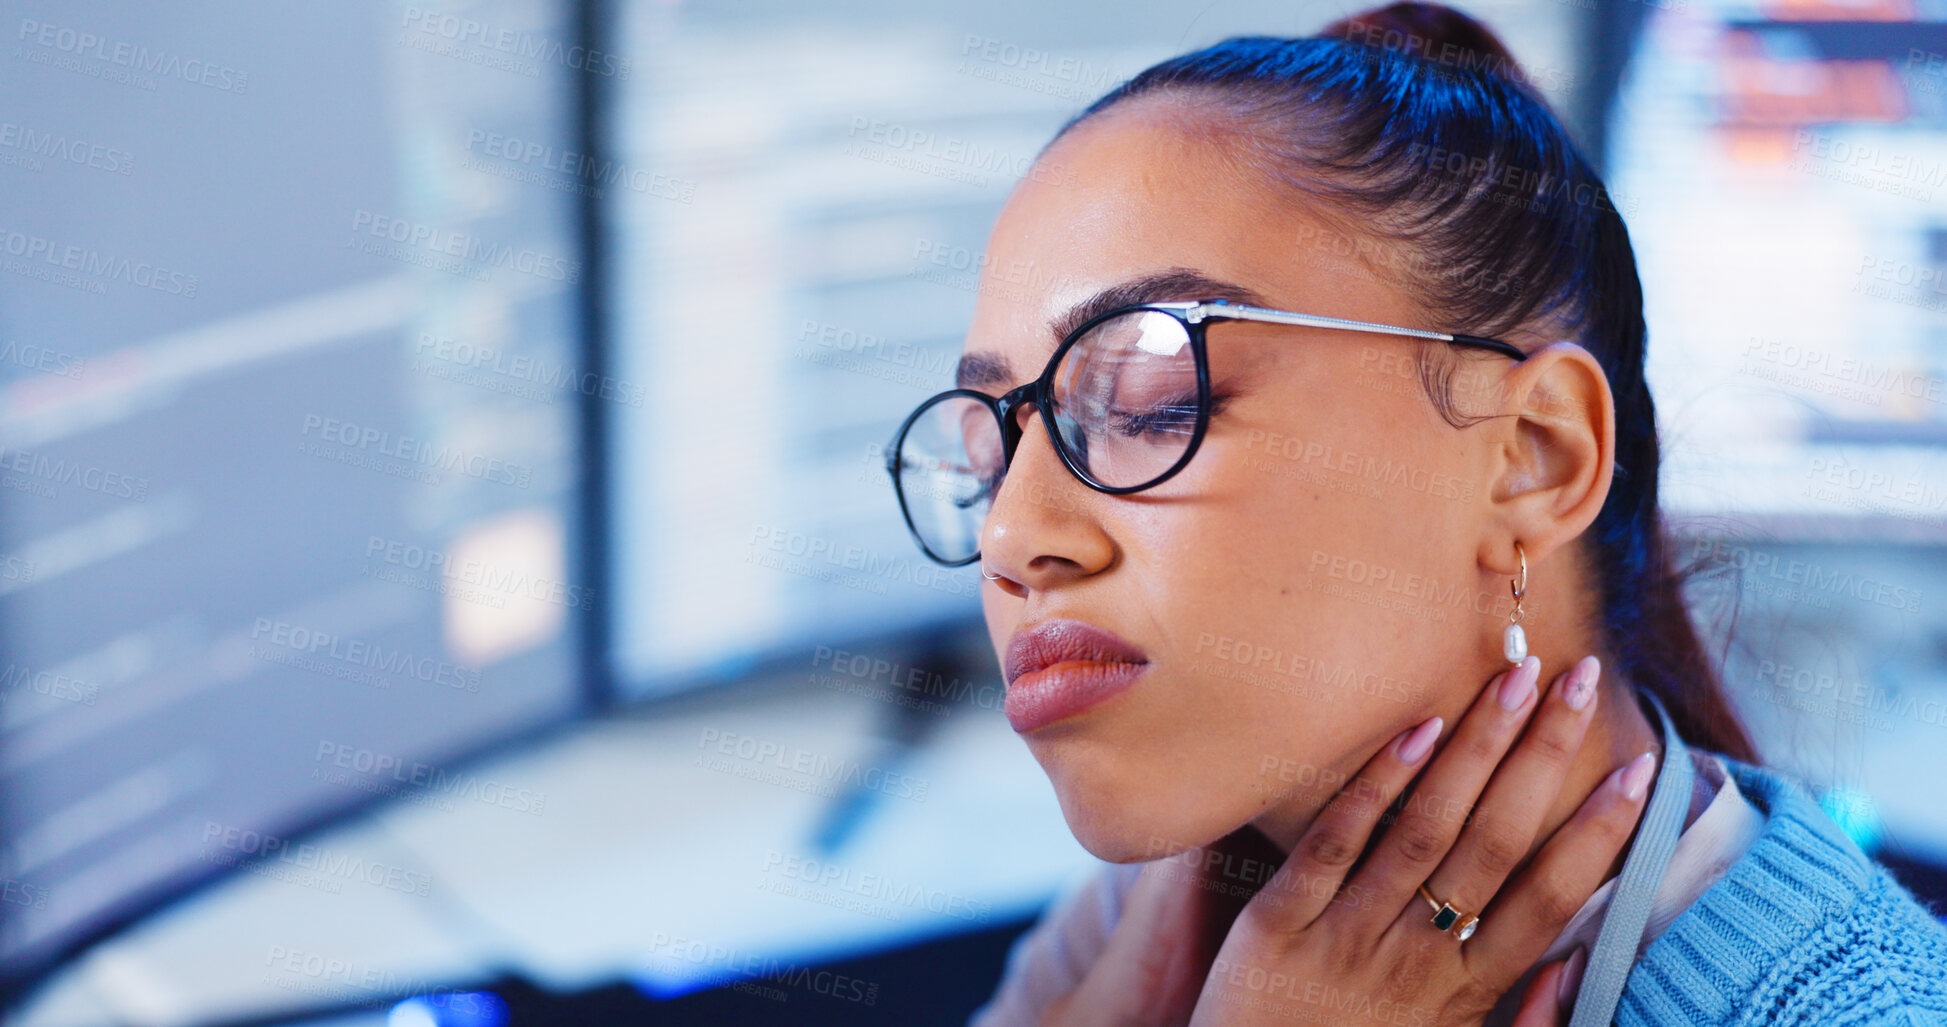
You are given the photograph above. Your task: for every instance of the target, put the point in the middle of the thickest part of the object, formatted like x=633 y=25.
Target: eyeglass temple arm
x=1237 y=311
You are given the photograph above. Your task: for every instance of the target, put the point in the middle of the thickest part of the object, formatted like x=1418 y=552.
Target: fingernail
x=1571 y=977
x=1634 y=779
x=1413 y=746
x=1581 y=682
x=1520 y=684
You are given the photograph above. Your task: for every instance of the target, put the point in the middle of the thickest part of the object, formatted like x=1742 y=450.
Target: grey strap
x=1629 y=906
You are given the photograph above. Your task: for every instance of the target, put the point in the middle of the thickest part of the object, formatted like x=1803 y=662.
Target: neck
x=1619 y=730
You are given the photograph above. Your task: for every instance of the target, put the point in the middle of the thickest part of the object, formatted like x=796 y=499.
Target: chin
x=1123 y=817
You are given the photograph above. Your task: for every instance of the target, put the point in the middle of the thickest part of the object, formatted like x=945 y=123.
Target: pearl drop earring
x=1514 y=644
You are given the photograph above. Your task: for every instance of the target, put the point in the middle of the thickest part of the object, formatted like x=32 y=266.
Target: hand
x=1315 y=946
x=1173 y=919
x=1551 y=992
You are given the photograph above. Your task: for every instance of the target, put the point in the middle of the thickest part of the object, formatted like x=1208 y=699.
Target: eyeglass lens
x=1124 y=406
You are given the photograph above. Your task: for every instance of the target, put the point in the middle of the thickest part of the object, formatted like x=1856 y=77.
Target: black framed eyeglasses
x=1125 y=399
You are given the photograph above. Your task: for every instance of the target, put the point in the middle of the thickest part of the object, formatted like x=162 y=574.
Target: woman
x=1279 y=518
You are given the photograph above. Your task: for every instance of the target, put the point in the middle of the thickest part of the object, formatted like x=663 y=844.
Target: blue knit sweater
x=1803 y=930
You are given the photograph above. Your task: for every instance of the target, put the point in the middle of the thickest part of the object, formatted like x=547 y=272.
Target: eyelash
x=1217 y=402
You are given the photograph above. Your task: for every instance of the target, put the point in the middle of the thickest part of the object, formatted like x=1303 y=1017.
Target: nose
x=1044 y=526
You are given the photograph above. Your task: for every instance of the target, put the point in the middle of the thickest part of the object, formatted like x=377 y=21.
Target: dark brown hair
x=1415 y=122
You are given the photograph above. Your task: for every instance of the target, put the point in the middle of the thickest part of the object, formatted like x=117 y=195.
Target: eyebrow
x=985 y=368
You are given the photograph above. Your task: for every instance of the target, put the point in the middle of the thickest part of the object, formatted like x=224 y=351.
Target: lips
x=1061 y=667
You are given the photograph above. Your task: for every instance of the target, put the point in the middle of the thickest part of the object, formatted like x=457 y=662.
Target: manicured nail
x=1413 y=746
x=1634 y=779
x=1580 y=687
x=1571 y=977
x=1520 y=684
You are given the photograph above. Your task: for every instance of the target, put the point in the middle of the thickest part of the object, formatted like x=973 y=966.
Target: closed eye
x=1175 y=418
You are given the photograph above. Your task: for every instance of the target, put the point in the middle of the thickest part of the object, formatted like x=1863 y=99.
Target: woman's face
x=1309 y=585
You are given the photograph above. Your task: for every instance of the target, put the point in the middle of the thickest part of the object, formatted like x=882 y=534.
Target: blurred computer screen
x=288 y=394
x=1782 y=166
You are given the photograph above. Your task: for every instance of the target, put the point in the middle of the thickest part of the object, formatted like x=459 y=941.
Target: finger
x=1540 y=1006
x=1231 y=871
x=1416 y=843
x=1309 y=879
x=1520 y=793
x=1546 y=1002
x=1173 y=921
x=1532 y=911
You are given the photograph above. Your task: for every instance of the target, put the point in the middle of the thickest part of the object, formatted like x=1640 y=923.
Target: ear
x=1556 y=454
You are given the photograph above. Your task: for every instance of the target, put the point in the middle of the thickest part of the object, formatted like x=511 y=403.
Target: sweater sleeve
x=1804 y=930
x=1901 y=956
x=1050 y=959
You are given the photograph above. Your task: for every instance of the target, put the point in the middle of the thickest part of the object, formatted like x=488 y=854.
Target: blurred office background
x=447 y=574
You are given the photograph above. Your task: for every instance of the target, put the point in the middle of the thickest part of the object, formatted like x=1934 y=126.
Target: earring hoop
x=1514 y=642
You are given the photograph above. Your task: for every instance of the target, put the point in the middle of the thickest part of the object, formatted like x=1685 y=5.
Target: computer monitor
x=290 y=400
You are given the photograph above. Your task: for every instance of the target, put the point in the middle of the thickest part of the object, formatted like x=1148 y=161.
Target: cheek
x=1315 y=546
x=1306 y=584
x=1351 y=509
x=1292 y=584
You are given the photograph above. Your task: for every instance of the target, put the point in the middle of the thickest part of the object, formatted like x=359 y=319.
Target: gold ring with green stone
x=1449 y=919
